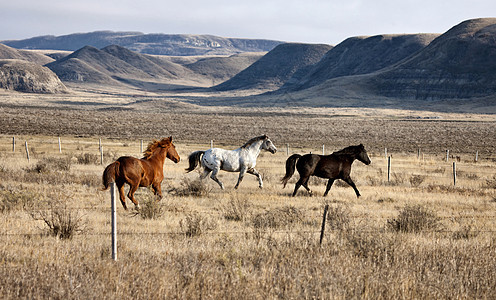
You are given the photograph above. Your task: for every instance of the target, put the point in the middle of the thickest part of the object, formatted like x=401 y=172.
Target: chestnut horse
x=143 y=172
x=334 y=166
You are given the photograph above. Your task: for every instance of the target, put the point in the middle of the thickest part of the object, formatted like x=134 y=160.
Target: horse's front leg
x=242 y=173
x=255 y=172
x=157 y=190
x=352 y=184
x=329 y=185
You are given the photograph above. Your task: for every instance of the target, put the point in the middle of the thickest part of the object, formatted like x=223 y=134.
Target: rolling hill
x=159 y=44
x=459 y=64
x=29 y=77
x=361 y=55
x=276 y=67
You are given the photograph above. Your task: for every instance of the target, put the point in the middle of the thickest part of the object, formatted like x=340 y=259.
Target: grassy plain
x=414 y=236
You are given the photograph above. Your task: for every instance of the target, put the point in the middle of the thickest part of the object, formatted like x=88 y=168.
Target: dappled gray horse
x=242 y=160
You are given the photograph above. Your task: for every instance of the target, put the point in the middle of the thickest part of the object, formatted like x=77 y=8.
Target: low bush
x=191 y=187
x=414 y=219
x=61 y=221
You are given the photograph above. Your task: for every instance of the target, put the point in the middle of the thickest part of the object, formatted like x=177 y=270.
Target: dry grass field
x=416 y=235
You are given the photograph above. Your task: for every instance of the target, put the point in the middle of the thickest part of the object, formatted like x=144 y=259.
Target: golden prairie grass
x=247 y=243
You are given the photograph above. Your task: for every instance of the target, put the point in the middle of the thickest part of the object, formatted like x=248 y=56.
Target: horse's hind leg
x=352 y=184
x=130 y=195
x=329 y=185
x=214 y=178
x=302 y=181
x=122 y=197
x=205 y=173
x=305 y=185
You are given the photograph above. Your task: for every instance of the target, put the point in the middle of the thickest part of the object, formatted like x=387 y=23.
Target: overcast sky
x=308 y=21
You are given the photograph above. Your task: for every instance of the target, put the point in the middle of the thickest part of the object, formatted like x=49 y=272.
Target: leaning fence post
x=113 y=195
x=326 y=207
x=454 y=173
x=27 y=150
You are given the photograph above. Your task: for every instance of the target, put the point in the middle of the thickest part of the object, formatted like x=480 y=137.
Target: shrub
x=192 y=187
x=49 y=164
x=416 y=180
x=236 y=209
x=195 y=224
x=465 y=232
x=414 y=219
x=338 y=218
x=285 y=217
x=12 y=199
x=61 y=221
x=150 y=208
x=88 y=158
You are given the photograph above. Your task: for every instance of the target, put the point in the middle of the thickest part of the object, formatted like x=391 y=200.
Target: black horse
x=334 y=166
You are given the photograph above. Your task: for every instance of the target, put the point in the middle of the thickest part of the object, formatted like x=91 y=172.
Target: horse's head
x=167 y=144
x=268 y=145
x=362 y=155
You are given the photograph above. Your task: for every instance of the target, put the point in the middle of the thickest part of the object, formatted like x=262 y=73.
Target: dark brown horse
x=143 y=172
x=334 y=166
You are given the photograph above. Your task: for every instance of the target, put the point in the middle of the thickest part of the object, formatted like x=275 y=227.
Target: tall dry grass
x=248 y=243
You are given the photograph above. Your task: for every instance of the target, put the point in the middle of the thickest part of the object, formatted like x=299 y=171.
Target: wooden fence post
x=13 y=144
x=326 y=207
x=27 y=150
x=60 y=146
x=287 y=149
x=418 y=153
x=211 y=144
x=323 y=149
x=385 y=152
x=476 y=155
x=454 y=173
x=141 y=146
x=101 y=155
x=389 y=169
x=447 y=155
x=113 y=195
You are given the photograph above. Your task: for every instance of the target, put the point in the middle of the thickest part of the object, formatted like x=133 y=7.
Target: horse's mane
x=253 y=140
x=153 y=145
x=348 y=150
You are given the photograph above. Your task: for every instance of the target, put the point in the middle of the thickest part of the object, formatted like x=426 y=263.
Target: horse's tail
x=109 y=174
x=290 y=168
x=194 y=159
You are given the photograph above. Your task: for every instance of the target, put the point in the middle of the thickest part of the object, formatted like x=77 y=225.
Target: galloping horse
x=242 y=160
x=334 y=166
x=143 y=172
